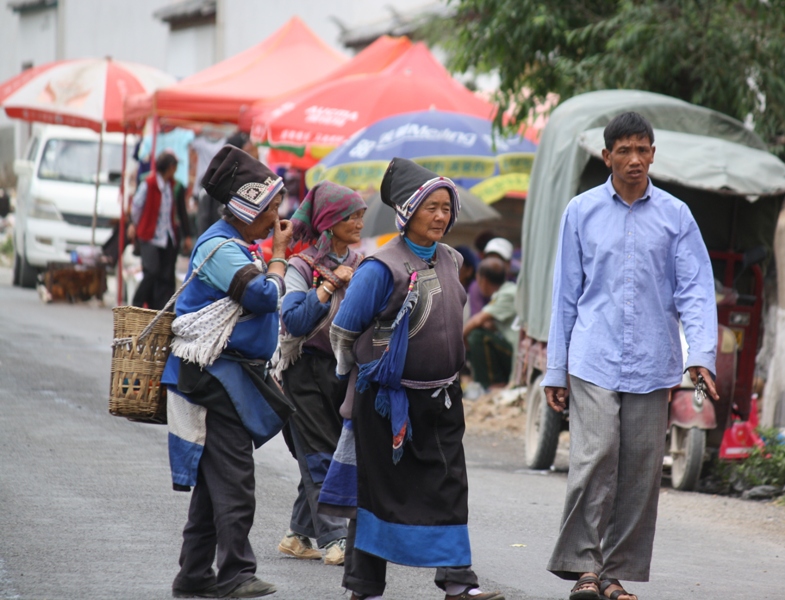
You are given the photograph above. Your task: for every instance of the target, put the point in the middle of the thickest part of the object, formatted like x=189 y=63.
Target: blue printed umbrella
x=458 y=146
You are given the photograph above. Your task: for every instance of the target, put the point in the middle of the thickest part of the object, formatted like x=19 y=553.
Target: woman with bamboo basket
x=221 y=400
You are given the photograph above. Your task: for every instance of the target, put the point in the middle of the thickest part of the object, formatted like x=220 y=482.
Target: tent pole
x=152 y=147
x=98 y=181
x=121 y=232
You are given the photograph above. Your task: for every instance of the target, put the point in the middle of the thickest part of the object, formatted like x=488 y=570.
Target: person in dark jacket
x=221 y=401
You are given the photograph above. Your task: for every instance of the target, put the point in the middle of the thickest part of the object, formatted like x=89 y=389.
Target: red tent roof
x=328 y=114
x=373 y=59
x=290 y=59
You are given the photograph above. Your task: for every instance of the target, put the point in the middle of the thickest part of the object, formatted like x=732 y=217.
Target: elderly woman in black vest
x=401 y=323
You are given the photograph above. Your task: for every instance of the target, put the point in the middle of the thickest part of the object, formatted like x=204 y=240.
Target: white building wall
x=9 y=34
x=190 y=50
x=37 y=37
x=122 y=29
x=248 y=22
x=10 y=65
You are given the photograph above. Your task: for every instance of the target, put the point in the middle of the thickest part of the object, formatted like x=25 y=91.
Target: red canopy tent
x=326 y=115
x=289 y=60
x=373 y=59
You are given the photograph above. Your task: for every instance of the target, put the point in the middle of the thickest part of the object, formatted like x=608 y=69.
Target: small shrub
x=765 y=466
x=7 y=246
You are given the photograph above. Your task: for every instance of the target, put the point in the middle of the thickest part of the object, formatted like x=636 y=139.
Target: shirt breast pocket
x=656 y=256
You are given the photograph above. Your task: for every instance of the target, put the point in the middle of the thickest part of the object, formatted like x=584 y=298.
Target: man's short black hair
x=626 y=125
x=493 y=269
x=165 y=161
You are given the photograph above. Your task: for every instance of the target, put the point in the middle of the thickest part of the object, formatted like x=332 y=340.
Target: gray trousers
x=617 y=441
x=305 y=518
x=222 y=509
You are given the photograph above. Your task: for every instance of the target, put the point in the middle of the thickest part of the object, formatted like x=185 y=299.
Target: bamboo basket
x=142 y=342
x=138 y=361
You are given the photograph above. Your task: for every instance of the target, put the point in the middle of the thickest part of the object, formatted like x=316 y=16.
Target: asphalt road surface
x=87 y=510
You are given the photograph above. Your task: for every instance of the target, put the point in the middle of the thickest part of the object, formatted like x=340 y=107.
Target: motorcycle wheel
x=543 y=425
x=687 y=448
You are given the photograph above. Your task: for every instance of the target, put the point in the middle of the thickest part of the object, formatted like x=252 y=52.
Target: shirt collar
x=339 y=259
x=160 y=181
x=613 y=194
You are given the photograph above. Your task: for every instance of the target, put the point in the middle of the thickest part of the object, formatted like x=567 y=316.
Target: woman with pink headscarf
x=331 y=219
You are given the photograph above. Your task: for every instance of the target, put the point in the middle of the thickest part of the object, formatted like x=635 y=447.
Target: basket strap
x=146 y=331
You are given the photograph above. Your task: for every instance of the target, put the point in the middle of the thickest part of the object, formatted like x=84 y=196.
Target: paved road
x=87 y=511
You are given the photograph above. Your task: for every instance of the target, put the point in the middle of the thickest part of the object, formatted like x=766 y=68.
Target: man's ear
x=606 y=157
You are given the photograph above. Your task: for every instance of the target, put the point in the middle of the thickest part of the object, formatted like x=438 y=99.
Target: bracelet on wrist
x=328 y=290
x=283 y=261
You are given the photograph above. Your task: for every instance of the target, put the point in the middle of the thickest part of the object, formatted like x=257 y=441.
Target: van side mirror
x=23 y=167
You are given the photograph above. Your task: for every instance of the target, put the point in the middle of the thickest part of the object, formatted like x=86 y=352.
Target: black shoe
x=208 y=592
x=253 y=588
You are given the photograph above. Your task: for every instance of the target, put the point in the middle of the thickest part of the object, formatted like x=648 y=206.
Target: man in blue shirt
x=631 y=264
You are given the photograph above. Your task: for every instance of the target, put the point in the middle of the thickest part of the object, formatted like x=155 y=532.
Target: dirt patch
x=501 y=411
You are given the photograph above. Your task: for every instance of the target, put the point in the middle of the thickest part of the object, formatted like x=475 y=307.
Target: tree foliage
x=728 y=55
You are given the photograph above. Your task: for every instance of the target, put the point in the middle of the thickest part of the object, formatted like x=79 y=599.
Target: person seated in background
x=468 y=272
x=482 y=239
x=488 y=335
x=500 y=248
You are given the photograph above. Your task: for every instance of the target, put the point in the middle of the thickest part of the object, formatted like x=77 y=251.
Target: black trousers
x=365 y=574
x=157 y=284
x=222 y=509
x=312 y=386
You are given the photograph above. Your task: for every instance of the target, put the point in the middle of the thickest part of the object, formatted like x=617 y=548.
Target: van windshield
x=77 y=161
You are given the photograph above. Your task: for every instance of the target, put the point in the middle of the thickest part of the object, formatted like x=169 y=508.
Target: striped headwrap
x=406 y=185
x=241 y=182
x=247 y=210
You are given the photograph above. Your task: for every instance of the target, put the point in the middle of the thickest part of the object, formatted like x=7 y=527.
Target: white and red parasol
x=87 y=92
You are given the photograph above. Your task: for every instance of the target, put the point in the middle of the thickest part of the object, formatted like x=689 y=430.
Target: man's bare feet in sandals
x=612 y=589
x=586 y=588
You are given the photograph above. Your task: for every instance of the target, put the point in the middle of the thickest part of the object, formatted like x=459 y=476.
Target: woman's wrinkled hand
x=282 y=236
x=344 y=273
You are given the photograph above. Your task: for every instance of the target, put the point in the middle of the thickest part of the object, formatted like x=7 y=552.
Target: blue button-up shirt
x=624 y=277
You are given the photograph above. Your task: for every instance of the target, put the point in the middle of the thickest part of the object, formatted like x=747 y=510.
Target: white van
x=56 y=194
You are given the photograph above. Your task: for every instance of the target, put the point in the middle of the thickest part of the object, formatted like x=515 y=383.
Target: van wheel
x=17 y=268
x=25 y=275
x=543 y=425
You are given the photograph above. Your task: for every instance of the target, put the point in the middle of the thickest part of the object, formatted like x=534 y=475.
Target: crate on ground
x=69 y=282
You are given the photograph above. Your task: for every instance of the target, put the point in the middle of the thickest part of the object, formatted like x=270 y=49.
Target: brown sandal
x=606 y=583
x=580 y=592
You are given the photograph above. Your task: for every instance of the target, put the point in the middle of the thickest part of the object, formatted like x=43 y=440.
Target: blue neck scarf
x=424 y=252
